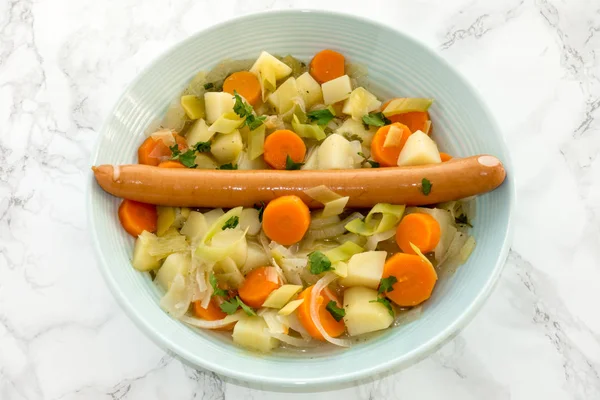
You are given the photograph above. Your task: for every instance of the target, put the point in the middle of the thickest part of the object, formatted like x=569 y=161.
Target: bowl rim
x=392 y=365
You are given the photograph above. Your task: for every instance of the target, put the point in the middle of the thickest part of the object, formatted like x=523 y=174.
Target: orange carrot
x=152 y=151
x=388 y=156
x=286 y=219
x=327 y=65
x=415 y=279
x=281 y=144
x=415 y=120
x=420 y=229
x=445 y=156
x=171 y=164
x=137 y=217
x=245 y=83
x=211 y=313
x=259 y=284
x=332 y=327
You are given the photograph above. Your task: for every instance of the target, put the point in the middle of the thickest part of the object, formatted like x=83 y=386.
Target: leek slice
x=256 y=142
x=382 y=217
x=343 y=252
x=407 y=104
x=309 y=131
x=226 y=123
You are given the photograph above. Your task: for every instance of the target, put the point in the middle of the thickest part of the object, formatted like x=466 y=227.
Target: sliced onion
x=314 y=311
x=166 y=135
x=204 y=324
x=322 y=194
x=178 y=298
x=319 y=222
x=374 y=240
x=297 y=326
x=293 y=341
x=264 y=242
x=272 y=275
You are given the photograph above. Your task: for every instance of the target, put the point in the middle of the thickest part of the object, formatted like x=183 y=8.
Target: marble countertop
x=63 y=63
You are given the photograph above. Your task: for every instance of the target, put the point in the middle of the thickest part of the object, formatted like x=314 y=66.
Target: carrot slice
x=445 y=156
x=286 y=219
x=152 y=151
x=211 y=313
x=327 y=65
x=171 y=164
x=281 y=144
x=416 y=120
x=137 y=217
x=420 y=229
x=246 y=84
x=332 y=327
x=388 y=156
x=259 y=284
x=415 y=279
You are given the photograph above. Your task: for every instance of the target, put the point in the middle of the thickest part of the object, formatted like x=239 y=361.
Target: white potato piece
x=198 y=133
x=363 y=315
x=419 y=149
x=312 y=161
x=355 y=130
x=335 y=153
x=265 y=59
x=284 y=98
x=176 y=263
x=195 y=227
x=226 y=238
x=252 y=333
x=142 y=260
x=360 y=103
x=309 y=89
x=205 y=161
x=244 y=163
x=227 y=147
x=213 y=215
x=255 y=257
x=217 y=104
x=337 y=89
x=249 y=219
x=365 y=269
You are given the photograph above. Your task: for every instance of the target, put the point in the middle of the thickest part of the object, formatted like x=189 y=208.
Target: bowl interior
x=462 y=126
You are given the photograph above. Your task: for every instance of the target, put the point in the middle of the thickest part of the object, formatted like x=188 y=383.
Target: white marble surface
x=64 y=62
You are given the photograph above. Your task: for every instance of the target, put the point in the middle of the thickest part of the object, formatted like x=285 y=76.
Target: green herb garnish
x=261 y=209
x=246 y=308
x=387 y=284
x=426 y=186
x=231 y=223
x=386 y=303
x=352 y=137
x=231 y=306
x=318 y=263
x=209 y=85
x=374 y=164
x=290 y=165
x=336 y=312
x=322 y=117
x=245 y=110
x=462 y=220
x=228 y=166
x=187 y=158
x=202 y=147
x=376 y=119
x=214 y=283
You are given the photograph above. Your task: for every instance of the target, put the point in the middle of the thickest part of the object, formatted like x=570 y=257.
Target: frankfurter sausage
x=451 y=180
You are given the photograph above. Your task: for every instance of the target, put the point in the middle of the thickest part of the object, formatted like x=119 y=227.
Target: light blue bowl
x=398 y=66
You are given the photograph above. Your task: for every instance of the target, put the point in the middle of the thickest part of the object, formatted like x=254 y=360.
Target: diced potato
x=226 y=148
x=360 y=103
x=309 y=89
x=217 y=104
x=355 y=130
x=312 y=162
x=252 y=333
x=142 y=260
x=283 y=99
x=198 y=133
x=419 y=149
x=365 y=269
x=205 y=161
x=227 y=238
x=244 y=163
x=394 y=137
x=195 y=227
x=279 y=68
x=335 y=153
x=337 y=89
x=193 y=106
x=363 y=313
x=213 y=215
x=256 y=257
x=281 y=296
x=176 y=263
x=249 y=219
x=166 y=218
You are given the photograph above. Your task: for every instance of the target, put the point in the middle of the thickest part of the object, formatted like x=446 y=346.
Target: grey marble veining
x=62 y=65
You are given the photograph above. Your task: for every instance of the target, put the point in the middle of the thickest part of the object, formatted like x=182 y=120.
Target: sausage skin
x=451 y=180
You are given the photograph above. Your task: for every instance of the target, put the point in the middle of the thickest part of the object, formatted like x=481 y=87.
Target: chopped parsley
x=376 y=119
x=387 y=284
x=426 y=186
x=245 y=110
x=187 y=158
x=216 y=290
x=209 y=85
x=336 y=312
x=352 y=137
x=231 y=306
x=386 y=303
x=318 y=263
x=254 y=122
x=261 y=209
x=462 y=220
x=374 y=164
x=202 y=147
x=228 y=166
x=322 y=117
x=290 y=165
x=231 y=223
